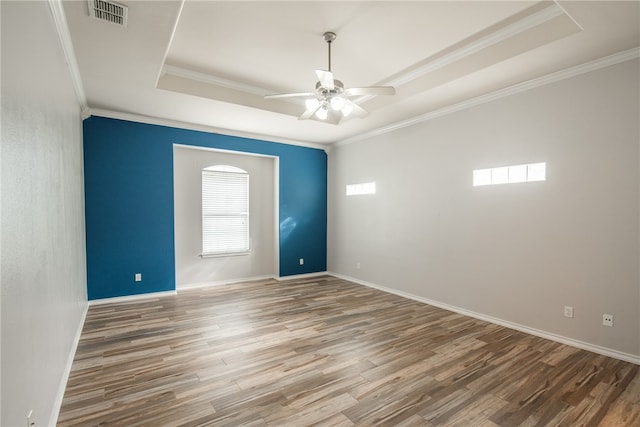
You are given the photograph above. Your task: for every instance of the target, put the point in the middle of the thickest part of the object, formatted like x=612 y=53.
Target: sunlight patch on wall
x=359 y=189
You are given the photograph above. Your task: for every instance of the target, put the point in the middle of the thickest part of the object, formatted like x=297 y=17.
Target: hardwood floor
x=325 y=351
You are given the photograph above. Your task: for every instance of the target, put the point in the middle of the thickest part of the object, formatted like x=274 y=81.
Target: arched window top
x=224 y=168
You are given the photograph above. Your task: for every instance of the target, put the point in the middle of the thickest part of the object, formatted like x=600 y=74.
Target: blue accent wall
x=128 y=170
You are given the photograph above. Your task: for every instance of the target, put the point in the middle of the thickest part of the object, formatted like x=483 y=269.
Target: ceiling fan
x=330 y=95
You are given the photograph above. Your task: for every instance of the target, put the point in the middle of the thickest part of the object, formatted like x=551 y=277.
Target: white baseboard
x=224 y=282
x=522 y=328
x=129 y=298
x=57 y=404
x=250 y=279
x=302 y=276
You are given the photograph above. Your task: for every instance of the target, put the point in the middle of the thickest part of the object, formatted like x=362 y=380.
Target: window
x=510 y=174
x=225 y=211
x=358 y=189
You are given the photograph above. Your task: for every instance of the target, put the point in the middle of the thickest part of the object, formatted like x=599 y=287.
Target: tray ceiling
x=209 y=63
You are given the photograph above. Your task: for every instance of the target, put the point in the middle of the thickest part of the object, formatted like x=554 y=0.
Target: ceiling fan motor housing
x=338 y=89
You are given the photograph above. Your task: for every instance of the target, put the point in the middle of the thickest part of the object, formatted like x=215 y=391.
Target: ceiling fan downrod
x=329 y=37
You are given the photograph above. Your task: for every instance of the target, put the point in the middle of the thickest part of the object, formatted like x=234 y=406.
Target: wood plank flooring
x=324 y=351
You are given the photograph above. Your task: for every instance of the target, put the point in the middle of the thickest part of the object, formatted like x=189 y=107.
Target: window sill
x=224 y=254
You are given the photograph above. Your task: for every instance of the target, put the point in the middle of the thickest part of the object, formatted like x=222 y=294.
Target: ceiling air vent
x=108 y=11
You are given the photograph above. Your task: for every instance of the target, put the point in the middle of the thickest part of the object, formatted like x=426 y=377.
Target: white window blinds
x=225 y=211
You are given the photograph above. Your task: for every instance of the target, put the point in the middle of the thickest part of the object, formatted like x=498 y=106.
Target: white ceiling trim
x=502 y=34
x=569 y=15
x=222 y=150
x=213 y=80
x=62 y=28
x=498 y=36
x=168 y=47
x=597 y=64
x=201 y=128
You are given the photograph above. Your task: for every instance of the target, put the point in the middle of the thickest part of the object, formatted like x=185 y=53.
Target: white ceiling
x=207 y=64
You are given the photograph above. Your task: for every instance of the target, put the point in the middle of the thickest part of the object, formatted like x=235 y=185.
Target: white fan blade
x=356 y=110
x=326 y=79
x=371 y=90
x=309 y=112
x=289 y=95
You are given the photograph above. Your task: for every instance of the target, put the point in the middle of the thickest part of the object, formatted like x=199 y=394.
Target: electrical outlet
x=138 y=277
x=301 y=261
x=568 y=311
x=607 y=319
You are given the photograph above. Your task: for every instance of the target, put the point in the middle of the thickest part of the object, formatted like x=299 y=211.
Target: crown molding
x=200 y=128
x=210 y=79
x=531 y=21
x=62 y=28
x=509 y=31
x=161 y=71
x=213 y=80
x=577 y=70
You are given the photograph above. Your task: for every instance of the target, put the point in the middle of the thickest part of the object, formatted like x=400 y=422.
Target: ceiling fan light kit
x=330 y=96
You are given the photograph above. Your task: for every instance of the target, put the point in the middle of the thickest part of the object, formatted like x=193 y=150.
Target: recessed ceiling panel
x=240 y=66
x=277 y=45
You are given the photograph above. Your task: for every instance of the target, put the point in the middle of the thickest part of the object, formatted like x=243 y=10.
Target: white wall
x=43 y=252
x=517 y=252
x=191 y=268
